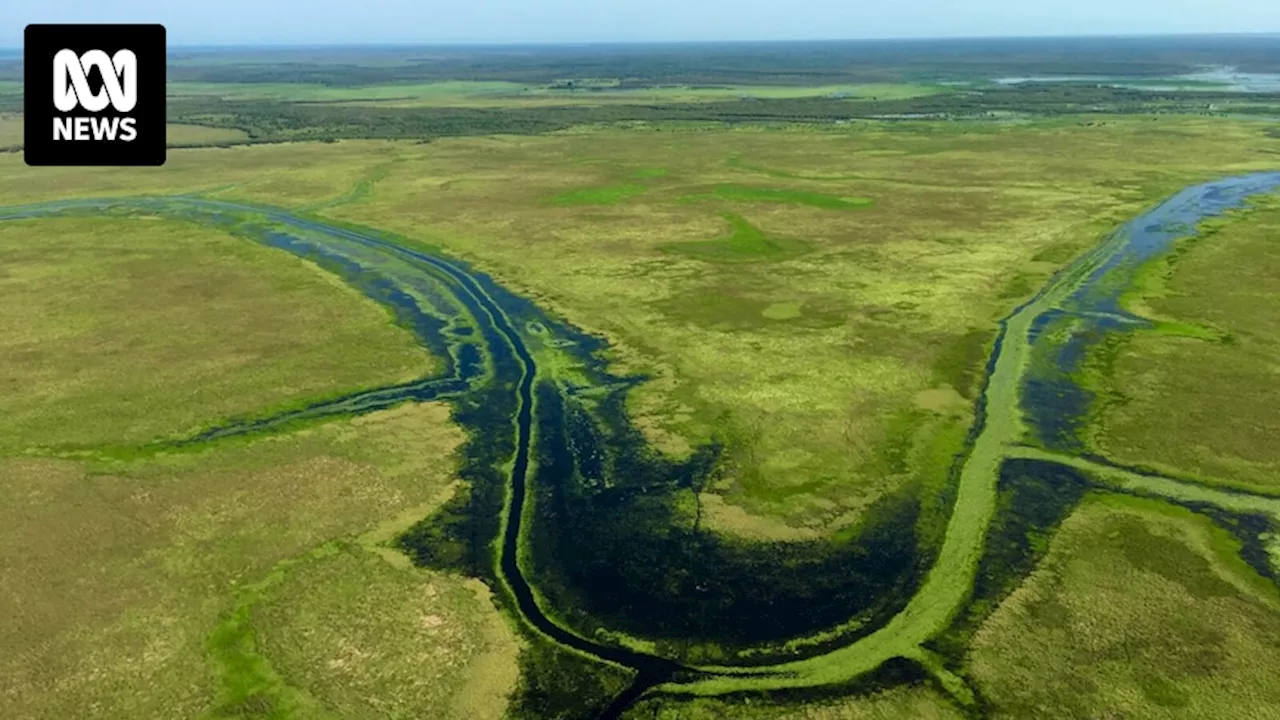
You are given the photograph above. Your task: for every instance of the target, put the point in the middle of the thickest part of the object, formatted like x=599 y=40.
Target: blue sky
x=426 y=21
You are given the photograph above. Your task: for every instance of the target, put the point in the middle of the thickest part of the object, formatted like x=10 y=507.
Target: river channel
x=575 y=518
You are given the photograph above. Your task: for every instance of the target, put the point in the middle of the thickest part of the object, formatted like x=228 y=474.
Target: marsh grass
x=916 y=703
x=1133 y=611
x=365 y=638
x=751 y=194
x=482 y=93
x=157 y=588
x=1197 y=395
x=800 y=361
x=801 y=364
x=129 y=330
x=607 y=195
x=745 y=243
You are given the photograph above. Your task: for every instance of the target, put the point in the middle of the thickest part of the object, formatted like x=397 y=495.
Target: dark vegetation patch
x=555 y=683
x=614 y=546
x=274 y=120
x=894 y=673
x=779 y=63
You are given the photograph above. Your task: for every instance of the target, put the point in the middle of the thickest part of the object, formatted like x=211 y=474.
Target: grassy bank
x=128 y=330
x=1196 y=395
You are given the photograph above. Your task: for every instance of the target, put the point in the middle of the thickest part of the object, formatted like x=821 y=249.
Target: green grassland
x=162 y=586
x=1139 y=610
x=1197 y=396
x=749 y=194
x=124 y=331
x=490 y=93
x=833 y=336
x=287 y=174
x=10 y=130
x=891 y=304
x=169 y=587
x=745 y=243
x=368 y=638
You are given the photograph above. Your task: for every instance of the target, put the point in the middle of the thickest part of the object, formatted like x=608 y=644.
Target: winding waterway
x=493 y=341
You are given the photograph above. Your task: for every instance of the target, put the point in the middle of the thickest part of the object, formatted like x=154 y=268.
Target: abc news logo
x=94 y=94
x=71 y=90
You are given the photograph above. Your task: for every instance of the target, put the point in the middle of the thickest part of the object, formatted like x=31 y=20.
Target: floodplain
x=748 y=366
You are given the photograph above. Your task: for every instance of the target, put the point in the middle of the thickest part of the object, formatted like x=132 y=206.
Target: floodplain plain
x=797 y=323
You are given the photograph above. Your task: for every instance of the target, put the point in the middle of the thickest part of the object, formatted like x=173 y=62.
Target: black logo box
x=42 y=43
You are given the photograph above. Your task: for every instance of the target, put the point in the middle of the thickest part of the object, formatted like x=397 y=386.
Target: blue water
x=1054 y=405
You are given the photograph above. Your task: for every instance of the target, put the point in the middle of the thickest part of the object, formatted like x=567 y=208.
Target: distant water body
x=1221 y=78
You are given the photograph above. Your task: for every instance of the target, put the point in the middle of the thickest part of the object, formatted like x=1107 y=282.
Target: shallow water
x=1053 y=404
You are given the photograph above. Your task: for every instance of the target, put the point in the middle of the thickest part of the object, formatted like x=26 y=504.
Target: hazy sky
x=424 y=21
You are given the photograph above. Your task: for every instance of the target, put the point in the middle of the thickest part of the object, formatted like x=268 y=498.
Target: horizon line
x=391 y=44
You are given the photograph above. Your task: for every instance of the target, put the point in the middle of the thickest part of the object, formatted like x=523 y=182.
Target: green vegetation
x=749 y=194
x=888 y=302
x=266 y=120
x=916 y=703
x=883 y=295
x=1197 y=395
x=746 y=243
x=835 y=357
x=445 y=93
x=154 y=328
x=1137 y=609
x=171 y=579
x=461 y=93
x=607 y=195
x=366 y=638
